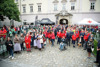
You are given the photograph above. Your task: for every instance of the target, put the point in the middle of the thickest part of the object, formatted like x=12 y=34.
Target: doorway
x=63 y=21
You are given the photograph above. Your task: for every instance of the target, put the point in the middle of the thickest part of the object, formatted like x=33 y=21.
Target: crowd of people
x=78 y=35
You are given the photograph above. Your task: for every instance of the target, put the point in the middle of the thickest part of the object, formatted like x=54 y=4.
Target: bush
x=95 y=47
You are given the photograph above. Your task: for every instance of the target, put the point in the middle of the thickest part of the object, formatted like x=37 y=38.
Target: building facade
x=58 y=11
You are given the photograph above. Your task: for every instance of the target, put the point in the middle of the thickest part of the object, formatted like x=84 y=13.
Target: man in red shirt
x=73 y=39
x=77 y=36
x=52 y=38
x=86 y=36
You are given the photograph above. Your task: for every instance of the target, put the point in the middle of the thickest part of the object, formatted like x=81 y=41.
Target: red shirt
x=27 y=40
x=73 y=37
x=86 y=37
x=53 y=36
x=77 y=34
x=59 y=34
x=49 y=35
x=4 y=31
x=63 y=34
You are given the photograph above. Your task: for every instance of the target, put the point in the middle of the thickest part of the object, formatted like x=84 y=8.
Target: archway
x=63 y=21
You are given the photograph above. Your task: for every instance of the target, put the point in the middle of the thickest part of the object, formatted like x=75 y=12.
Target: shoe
x=9 y=56
x=95 y=62
x=88 y=57
x=74 y=46
x=84 y=49
x=12 y=57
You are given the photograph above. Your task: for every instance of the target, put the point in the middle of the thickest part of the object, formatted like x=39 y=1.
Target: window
x=55 y=7
x=24 y=9
x=92 y=6
x=72 y=6
x=39 y=8
x=64 y=6
x=31 y=8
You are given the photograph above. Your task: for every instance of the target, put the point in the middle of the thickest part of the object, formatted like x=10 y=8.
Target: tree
x=9 y=9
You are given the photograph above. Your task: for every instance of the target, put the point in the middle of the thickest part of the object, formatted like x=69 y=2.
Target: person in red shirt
x=77 y=36
x=86 y=37
x=4 y=32
x=52 y=37
x=27 y=42
x=59 y=36
x=73 y=39
x=63 y=34
x=49 y=35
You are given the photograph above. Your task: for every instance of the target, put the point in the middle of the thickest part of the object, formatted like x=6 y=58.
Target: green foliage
x=95 y=47
x=9 y=8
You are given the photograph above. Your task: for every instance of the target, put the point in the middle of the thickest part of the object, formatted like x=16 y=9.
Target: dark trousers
x=42 y=45
x=22 y=46
x=32 y=43
x=73 y=41
x=77 y=40
x=82 y=41
x=85 y=44
x=11 y=52
x=68 y=42
x=52 y=41
x=98 y=57
x=59 y=40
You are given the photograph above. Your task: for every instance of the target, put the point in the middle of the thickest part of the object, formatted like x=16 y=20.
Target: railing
x=3 y=50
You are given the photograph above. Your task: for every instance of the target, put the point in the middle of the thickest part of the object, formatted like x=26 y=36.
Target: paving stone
x=52 y=57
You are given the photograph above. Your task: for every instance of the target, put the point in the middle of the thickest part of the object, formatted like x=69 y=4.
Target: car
x=46 y=21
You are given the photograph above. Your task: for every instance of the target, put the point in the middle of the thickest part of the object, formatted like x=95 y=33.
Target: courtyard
x=51 y=57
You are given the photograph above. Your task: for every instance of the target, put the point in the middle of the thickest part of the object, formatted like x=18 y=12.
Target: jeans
x=85 y=44
x=11 y=52
x=77 y=40
x=52 y=40
x=68 y=42
x=82 y=41
x=59 y=40
x=73 y=41
x=42 y=45
x=22 y=46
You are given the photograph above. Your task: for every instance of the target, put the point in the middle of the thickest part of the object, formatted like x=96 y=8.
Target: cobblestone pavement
x=51 y=57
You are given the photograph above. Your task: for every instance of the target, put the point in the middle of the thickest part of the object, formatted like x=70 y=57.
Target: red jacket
x=49 y=35
x=86 y=37
x=63 y=34
x=73 y=37
x=77 y=34
x=46 y=34
x=4 y=32
x=27 y=39
x=53 y=36
x=59 y=34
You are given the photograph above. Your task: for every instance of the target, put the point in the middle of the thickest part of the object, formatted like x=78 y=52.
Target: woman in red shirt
x=27 y=42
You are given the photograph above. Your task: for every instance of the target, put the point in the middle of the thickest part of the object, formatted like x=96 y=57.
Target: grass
x=95 y=47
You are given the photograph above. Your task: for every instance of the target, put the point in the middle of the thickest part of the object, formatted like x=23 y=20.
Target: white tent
x=88 y=21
